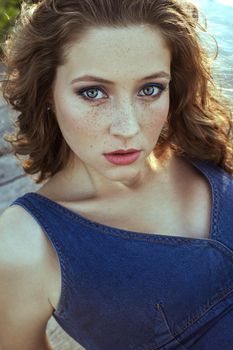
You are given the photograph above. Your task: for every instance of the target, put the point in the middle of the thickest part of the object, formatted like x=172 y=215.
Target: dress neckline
x=202 y=166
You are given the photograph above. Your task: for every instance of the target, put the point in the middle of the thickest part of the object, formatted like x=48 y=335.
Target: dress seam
x=119 y=232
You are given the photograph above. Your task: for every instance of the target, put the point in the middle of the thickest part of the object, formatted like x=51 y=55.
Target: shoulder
x=221 y=182
x=24 y=280
x=20 y=234
x=222 y=179
x=24 y=251
x=217 y=173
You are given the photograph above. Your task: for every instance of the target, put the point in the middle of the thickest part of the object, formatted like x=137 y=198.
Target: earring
x=48 y=112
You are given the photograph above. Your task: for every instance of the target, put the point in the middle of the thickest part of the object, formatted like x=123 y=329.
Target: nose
x=125 y=121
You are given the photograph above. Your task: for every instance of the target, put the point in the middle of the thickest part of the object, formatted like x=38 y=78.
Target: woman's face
x=128 y=110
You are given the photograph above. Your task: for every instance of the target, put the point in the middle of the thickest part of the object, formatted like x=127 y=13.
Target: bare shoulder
x=24 y=245
x=22 y=239
x=20 y=233
x=24 y=280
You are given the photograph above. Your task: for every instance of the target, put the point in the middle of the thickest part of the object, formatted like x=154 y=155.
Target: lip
x=122 y=151
x=123 y=159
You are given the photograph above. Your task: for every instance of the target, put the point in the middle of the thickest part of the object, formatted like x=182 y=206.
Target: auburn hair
x=199 y=122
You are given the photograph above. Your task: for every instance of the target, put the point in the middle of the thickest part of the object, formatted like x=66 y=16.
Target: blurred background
x=13 y=181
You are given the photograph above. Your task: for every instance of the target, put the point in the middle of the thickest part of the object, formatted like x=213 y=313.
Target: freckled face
x=98 y=117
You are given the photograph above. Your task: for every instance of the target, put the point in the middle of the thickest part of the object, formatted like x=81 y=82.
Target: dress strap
x=222 y=196
x=50 y=227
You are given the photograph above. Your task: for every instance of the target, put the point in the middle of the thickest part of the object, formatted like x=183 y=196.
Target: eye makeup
x=158 y=89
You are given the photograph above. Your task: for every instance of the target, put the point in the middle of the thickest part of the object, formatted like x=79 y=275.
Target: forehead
x=119 y=52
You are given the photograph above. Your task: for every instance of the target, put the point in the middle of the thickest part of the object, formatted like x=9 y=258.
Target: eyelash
x=82 y=91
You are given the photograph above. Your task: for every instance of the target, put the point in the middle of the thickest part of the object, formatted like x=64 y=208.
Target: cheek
x=76 y=122
x=155 y=117
x=74 y=118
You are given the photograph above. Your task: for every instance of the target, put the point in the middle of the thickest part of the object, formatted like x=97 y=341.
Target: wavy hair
x=199 y=122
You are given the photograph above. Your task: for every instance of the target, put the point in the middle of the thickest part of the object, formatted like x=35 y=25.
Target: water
x=220 y=23
x=219 y=15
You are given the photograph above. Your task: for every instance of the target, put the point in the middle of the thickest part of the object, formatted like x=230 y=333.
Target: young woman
x=128 y=243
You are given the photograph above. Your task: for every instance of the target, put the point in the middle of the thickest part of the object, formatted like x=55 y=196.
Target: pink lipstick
x=123 y=157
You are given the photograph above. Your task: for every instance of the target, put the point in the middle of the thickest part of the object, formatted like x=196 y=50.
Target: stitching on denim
x=221 y=212
x=60 y=310
x=215 y=205
x=223 y=249
x=205 y=309
x=121 y=232
x=160 y=307
x=168 y=327
x=215 y=218
x=133 y=234
x=215 y=197
x=155 y=345
x=150 y=237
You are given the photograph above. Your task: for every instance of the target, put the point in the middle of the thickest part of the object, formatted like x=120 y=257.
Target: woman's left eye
x=156 y=88
x=90 y=94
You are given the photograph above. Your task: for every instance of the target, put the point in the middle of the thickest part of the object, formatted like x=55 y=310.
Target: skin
x=145 y=189
x=125 y=114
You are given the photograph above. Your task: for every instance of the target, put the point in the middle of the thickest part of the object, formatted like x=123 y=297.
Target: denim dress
x=127 y=290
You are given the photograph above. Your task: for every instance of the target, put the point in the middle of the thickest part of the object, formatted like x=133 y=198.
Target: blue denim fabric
x=125 y=290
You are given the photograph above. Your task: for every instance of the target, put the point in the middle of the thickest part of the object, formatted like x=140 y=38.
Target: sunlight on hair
x=200 y=118
x=28 y=11
x=152 y=161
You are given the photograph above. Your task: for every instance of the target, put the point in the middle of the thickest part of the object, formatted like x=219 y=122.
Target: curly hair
x=199 y=122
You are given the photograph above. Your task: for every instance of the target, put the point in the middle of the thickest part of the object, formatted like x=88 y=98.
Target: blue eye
x=156 y=88
x=85 y=93
x=90 y=93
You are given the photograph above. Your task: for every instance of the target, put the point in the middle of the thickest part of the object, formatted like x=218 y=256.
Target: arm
x=24 y=302
x=48 y=346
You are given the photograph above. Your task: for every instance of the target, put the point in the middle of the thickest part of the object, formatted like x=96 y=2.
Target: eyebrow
x=98 y=79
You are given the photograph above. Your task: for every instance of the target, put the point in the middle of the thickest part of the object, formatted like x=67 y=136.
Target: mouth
x=123 y=158
x=122 y=152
